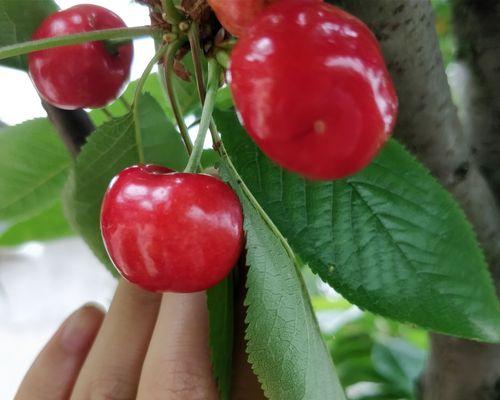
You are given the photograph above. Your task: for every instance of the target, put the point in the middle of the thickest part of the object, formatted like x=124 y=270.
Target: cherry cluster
x=310 y=86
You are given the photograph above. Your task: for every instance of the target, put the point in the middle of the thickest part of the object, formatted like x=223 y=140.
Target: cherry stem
x=168 y=72
x=107 y=113
x=194 y=41
x=125 y=103
x=58 y=41
x=138 y=90
x=206 y=116
x=195 y=123
x=173 y=15
x=112 y=46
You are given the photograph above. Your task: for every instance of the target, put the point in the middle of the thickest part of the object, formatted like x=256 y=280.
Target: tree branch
x=477 y=28
x=72 y=126
x=429 y=126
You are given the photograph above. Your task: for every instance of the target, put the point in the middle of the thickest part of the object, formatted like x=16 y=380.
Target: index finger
x=177 y=364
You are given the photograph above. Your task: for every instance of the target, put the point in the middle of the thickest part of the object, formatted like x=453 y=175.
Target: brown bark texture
x=477 y=30
x=429 y=126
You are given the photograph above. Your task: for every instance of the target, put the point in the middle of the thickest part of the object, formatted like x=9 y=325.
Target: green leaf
x=399 y=362
x=363 y=352
x=34 y=165
x=221 y=317
x=209 y=158
x=351 y=348
x=48 y=225
x=18 y=21
x=284 y=344
x=118 y=108
x=390 y=239
x=110 y=149
x=224 y=99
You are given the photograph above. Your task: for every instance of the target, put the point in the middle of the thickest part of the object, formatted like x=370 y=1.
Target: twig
x=73 y=126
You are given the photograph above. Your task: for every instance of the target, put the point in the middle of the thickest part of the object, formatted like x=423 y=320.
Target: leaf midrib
x=32 y=189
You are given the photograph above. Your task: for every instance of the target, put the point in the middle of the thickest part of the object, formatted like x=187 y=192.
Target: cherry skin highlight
x=86 y=75
x=169 y=231
x=312 y=89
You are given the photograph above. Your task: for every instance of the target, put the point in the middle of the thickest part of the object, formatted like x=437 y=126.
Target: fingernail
x=80 y=328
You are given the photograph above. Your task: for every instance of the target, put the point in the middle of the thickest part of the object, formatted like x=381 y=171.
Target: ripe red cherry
x=169 y=231
x=236 y=16
x=80 y=76
x=312 y=89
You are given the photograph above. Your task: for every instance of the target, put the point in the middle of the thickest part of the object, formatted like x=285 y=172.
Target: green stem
x=112 y=46
x=196 y=122
x=215 y=134
x=174 y=102
x=194 y=42
x=172 y=13
x=138 y=90
x=206 y=116
x=103 y=34
x=107 y=113
x=125 y=103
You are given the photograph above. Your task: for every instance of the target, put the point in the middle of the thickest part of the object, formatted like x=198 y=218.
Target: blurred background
x=41 y=283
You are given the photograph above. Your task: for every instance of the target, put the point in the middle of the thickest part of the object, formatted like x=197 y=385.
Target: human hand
x=148 y=346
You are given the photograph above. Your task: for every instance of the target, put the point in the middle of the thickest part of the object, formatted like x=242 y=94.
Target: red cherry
x=312 y=89
x=169 y=231
x=85 y=75
x=236 y=16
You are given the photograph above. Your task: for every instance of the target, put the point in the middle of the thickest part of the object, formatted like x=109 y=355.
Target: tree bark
x=429 y=126
x=477 y=29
